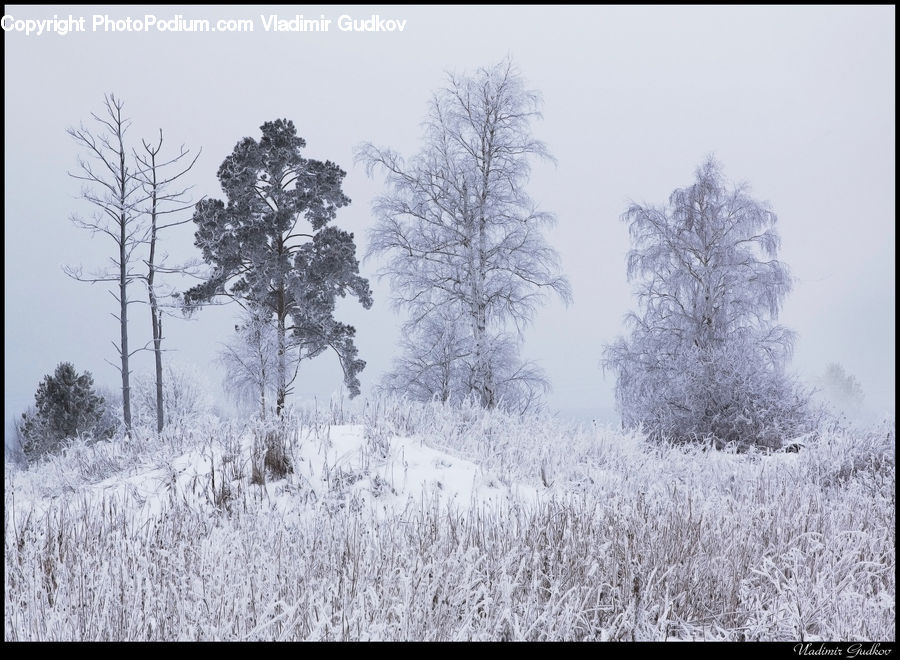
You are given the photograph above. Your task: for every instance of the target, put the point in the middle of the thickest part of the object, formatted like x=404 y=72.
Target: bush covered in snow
x=717 y=394
x=186 y=397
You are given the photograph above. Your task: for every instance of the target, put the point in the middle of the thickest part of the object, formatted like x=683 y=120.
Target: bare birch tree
x=250 y=360
x=437 y=363
x=112 y=186
x=434 y=361
x=461 y=236
x=706 y=356
x=159 y=178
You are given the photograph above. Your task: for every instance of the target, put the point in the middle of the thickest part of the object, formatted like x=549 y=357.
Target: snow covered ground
x=430 y=523
x=342 y=466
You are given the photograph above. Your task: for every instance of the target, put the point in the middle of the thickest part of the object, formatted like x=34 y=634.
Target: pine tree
x=66 y=406
x=263 y=256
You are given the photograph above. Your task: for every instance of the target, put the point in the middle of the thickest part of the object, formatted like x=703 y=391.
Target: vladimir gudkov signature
x=854 y=650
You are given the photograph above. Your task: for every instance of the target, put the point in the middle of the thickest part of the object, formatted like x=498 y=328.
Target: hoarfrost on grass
x=430 y=522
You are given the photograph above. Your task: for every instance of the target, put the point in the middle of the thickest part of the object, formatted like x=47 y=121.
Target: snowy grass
x=84 y=461
x=563 y=532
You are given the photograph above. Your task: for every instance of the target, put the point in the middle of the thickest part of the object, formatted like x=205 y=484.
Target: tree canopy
x=266 y=257
x=706 y=355
x=463 y=239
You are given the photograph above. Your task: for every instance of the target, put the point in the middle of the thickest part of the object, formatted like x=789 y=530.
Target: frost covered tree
x=271 y=249
x=66 y=406
x=841 y=389
x=186 y=396
x=706 y=357
x=249 y=358
x=437 y=363
x=159 y=176
x=433 y=360
x=462 y=238
x=112 y=186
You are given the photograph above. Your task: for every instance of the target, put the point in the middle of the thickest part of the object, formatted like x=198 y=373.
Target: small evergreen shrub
x=66 y=406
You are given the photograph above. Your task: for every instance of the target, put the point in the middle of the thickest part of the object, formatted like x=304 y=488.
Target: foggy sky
x=797 y=101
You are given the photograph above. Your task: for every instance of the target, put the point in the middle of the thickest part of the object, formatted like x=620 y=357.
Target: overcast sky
x=797 y=101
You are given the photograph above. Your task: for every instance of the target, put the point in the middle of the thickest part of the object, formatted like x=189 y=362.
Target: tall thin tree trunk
x=485 y=375
x=123 y=287
x=486 y=389
x=156 y=186
x=281 y=394
x=263 y=361
x=479 y=332
x=477 y=326
x=155 y=317
x=262 y=396
x=281 y=366
x=476 y=245
x=157 y=351
x=123 y=327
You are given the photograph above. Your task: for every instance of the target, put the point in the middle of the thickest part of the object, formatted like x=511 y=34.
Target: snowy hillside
x=342 y=467
x=425 y=522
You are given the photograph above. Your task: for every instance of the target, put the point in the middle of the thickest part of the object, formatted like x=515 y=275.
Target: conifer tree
x=272 y=249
